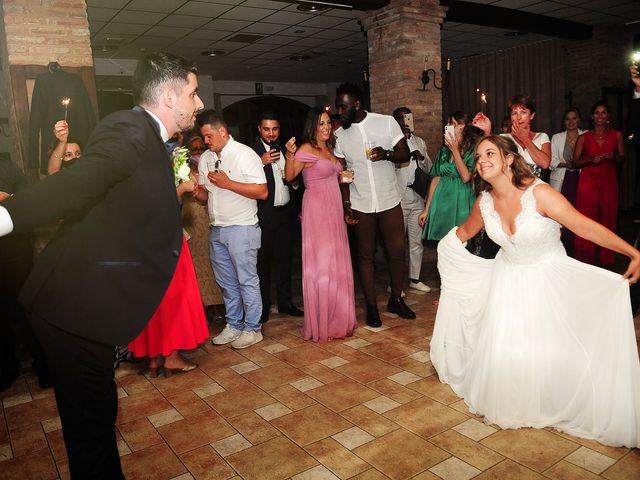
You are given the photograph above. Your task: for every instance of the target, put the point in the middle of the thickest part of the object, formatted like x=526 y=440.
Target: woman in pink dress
x=327 y=276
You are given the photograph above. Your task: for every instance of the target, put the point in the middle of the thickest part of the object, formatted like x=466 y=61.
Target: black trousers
x=275 y=254
x=83 y=380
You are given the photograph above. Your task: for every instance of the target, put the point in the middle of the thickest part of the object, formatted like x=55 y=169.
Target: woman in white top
x=534 y=147
x=564 y=178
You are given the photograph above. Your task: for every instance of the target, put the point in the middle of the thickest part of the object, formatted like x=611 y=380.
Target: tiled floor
x=368 y=407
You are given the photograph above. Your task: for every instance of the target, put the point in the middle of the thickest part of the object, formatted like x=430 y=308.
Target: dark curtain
x=538 y=69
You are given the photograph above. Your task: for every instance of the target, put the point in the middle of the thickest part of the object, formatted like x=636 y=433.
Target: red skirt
x=179 y=322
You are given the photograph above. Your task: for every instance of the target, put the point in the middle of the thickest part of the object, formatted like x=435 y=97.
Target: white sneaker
x=246 y=339
x=228 y=335
x=402 y=294
x=420 y=286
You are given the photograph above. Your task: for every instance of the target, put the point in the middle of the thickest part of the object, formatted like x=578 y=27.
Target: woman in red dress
x=179 y=322
x=597 y=152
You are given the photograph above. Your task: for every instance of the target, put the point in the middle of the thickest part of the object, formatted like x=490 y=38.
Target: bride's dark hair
x=519 y=167
x=311 y=125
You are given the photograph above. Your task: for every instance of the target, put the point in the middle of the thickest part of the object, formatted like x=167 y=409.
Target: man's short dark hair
x=156 y=70
x=268 y=115
x=210 y=117
x=350 y=89
x=400 y=111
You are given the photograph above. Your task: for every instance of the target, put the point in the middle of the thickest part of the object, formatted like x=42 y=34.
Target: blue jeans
x=234 y=255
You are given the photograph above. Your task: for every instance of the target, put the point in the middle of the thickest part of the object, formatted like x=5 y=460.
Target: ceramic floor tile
x=188 y=403
x=381 y=404
x=51 y=424
x=254 y=428
x=589 y=460
x=208 y=390
x=334 y=361
x=404 y=378
x=274 y=375
x=508 y=470
x=474 y=429
x=123 y=448
x=454 y=469
x=292 y=397
x=371 y=474
x=27 y=439
x=304 y=355
x=369 y=421
x=311 y=424
x=421 y=356
x=16 y=400
x=307 y=383
x=56 y=445
x=230 y=445
x=139 y=434
x=181 y=382
x=184 y=476
x=165 y=418
x=536 y=449
x=377 y=329
x=433 y=388
x=388 y=350
x=157 y=461
x=272 y=411
x=31 y=412
x=244 y=367
x=275 y=348
x=467 y=450
x=316 y=473
x=342 y=394
x=140 y=406
x=323 y=373
x=259 y=357
x=414 y=415
x=195 y=431
x=357 y=343
x=136 y=384
x=264 y=461
x=337 y=458
x=568 y=471
x=401 y=454
x=626 y=468
x=38 y=465
x=5 y=452
x=394 y=390
x=352 y=438
x=235 y=402
x=613 y=452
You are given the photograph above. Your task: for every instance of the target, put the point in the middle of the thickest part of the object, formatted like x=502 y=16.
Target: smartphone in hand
x=450 y=131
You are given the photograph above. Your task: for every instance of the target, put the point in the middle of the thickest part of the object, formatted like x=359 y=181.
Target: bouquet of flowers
x=180 y=160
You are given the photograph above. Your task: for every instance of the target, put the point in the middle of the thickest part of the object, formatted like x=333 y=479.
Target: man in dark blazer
x=277 y=217
x=100 y=279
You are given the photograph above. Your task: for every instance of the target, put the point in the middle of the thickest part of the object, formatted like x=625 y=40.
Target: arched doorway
x=242 y=117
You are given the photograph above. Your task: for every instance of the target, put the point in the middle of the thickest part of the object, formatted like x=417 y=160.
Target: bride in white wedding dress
x=534 y=338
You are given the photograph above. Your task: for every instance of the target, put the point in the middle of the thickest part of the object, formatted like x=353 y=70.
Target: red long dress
x=179 y=322
x=597 y=195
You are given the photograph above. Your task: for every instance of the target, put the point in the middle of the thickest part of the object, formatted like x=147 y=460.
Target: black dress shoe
x=290 y=309
x=397 y=305
x=373 y=317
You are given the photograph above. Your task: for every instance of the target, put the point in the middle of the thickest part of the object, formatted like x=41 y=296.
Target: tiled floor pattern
x=368 y=407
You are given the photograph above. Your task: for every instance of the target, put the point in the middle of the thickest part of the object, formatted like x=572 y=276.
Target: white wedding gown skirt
x=535 y=338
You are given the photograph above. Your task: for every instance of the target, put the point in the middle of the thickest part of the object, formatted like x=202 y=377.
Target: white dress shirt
x=281 y=194
x=374 y=187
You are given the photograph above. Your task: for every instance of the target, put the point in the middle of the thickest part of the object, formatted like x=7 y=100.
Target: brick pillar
x=32 y=34
x=400 y=36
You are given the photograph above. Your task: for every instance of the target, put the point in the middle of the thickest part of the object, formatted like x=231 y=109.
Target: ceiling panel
x=203 y=8
x=246 y=13
x=165 y=6
x=141 y=18
x=185 y=21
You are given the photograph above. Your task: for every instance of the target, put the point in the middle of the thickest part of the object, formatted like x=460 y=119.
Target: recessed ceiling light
x=311 y=8
x=300 y=58
x=212 y=53
x=515 y=33
x=298 y=31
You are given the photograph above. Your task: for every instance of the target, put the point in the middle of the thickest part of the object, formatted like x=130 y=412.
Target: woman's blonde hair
x=520 y=168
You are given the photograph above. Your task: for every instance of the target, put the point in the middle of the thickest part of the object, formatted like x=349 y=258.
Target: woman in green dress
x=451 y=195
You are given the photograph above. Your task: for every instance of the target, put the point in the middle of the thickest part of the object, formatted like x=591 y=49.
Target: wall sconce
x=427 y=73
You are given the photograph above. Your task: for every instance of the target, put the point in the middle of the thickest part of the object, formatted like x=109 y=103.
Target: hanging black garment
x=47 y=109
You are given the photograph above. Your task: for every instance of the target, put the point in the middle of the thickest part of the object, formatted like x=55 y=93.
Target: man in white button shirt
x=371 y=144
x=230 y=180
x=277 y=216
x=412 y=203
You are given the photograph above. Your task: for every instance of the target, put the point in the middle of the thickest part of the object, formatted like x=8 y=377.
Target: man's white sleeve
x=6 y=225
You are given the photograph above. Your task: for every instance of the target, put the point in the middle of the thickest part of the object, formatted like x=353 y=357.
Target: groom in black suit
x=277 y=216
x=100 y=279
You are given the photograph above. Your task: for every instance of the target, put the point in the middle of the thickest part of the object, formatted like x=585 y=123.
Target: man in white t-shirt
x=230 y=180
x=412 y=203
x=371 y=144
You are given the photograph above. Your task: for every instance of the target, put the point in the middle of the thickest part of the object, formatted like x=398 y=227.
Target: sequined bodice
x=535 y=239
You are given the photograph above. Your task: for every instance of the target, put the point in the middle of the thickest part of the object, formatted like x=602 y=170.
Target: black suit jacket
x=47 y=109
x=105 y=272
x=265 y=207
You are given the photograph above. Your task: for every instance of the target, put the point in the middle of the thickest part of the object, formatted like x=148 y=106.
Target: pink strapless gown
x=327 y=276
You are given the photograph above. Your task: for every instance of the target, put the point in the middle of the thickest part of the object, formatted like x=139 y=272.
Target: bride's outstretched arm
x=554 y=205
x=474 y=223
